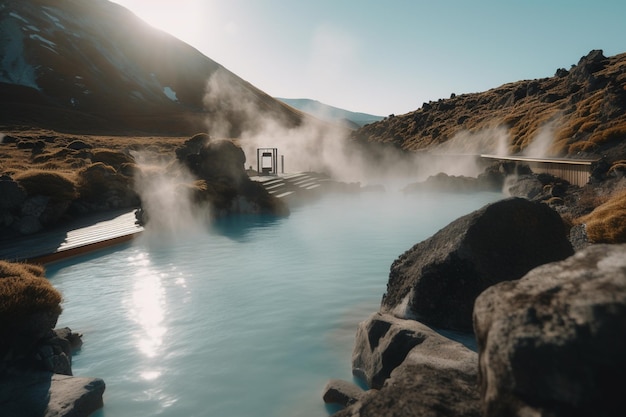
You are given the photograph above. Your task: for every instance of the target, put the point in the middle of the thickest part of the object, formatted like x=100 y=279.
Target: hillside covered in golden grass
x=583 y=109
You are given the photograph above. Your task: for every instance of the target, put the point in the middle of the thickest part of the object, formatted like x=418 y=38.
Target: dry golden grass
x=24 y=290
x=54 y=184
x=110 y=157
x=14 y=269
x=586 y=116
x=95 y=179
x=56 y=153
x=607 y=223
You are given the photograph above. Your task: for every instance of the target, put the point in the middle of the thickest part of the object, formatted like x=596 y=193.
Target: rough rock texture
x=342 y=392
x=212 y=159
x=50 y=395
x=553 y=342
x=420 y=390
x=12 y=194
x=419 y=372
x=437 y=280
x=227 y=186
x=383 y=342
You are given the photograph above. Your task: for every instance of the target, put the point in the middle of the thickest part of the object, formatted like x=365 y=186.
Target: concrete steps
x=292 y=185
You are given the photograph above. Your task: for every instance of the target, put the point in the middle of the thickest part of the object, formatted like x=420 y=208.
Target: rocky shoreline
x=39 y=381
x=36 y=376
x=547 y=306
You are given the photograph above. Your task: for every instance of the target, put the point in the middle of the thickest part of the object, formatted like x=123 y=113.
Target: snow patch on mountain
x=44 y=40
x=171 y=94
x=13 y=66
x=54 y=19
x=17 y=16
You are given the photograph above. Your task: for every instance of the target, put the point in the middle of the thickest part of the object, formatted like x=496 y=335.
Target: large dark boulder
x=342 y=392
x=42 y=394
x=384 y=342
x=12 y=195
x=553 y=342
x=212 y=159
x=415 y=370
x=437 y=280
x=421 y=390
x=225 y=184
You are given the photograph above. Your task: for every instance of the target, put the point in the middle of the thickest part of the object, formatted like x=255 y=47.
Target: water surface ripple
x=249 y=318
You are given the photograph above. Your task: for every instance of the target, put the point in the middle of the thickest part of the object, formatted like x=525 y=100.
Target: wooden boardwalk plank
x=89 y=233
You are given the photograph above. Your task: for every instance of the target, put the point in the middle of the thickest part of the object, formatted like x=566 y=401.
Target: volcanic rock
x=341 y=392
x=11 y=194
x=417 y=371
x=553 y=342
x=226 y=184
x=437 y=280
x=50 y=395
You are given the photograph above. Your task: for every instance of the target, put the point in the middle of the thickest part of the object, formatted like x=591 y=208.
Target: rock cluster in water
x=549 y=325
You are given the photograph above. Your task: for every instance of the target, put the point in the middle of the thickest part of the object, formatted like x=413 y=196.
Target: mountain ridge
x=331 y=113
x=579 y=112
x=98 y=65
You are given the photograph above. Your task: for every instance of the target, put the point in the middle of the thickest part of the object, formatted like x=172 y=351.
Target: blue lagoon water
x=250 y=317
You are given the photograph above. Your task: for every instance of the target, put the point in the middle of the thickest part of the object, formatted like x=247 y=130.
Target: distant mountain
x=331 y=114
x=89 y=65
x=580 y=112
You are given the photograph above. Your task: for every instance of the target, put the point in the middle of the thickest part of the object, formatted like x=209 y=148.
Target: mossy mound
x=607 y=223
x=24 y=290
x=111 y=157
x=54 y=184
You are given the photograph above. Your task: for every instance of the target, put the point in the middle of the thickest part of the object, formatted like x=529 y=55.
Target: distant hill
x=331 y=114
x=580 y=112
x=93 y=65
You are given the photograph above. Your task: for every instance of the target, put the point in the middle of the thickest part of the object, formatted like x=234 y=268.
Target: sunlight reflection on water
x=249 y=318
x=147 y=305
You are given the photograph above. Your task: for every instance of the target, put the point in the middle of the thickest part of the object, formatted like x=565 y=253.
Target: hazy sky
x=384 y=57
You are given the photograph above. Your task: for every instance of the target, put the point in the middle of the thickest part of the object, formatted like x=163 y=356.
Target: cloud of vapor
x=320 y=146
x=314 y=145
x=166 y=193
x=493 y=141
x=542 y=143
x=232 y=108
x=462 y=151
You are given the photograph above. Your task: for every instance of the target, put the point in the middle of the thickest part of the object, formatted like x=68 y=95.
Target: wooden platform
x=87 y=234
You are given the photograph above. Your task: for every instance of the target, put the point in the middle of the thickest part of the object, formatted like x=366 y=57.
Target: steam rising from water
x=323 y=147
x=166 y=192
x=541 y=145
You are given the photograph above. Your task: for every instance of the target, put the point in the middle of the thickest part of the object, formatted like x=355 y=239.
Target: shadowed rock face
x=553 y=342
x=221 y=164
x=438 y=279
x=212 y=159
x=416 y=371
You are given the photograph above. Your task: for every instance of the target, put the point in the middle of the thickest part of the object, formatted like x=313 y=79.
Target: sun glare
x=185 y=19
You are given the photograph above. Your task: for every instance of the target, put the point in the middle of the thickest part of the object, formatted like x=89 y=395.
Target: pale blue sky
x=386 y=57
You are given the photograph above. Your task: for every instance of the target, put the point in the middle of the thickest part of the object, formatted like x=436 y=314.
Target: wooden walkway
x=105 y=229
x=84 y=235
